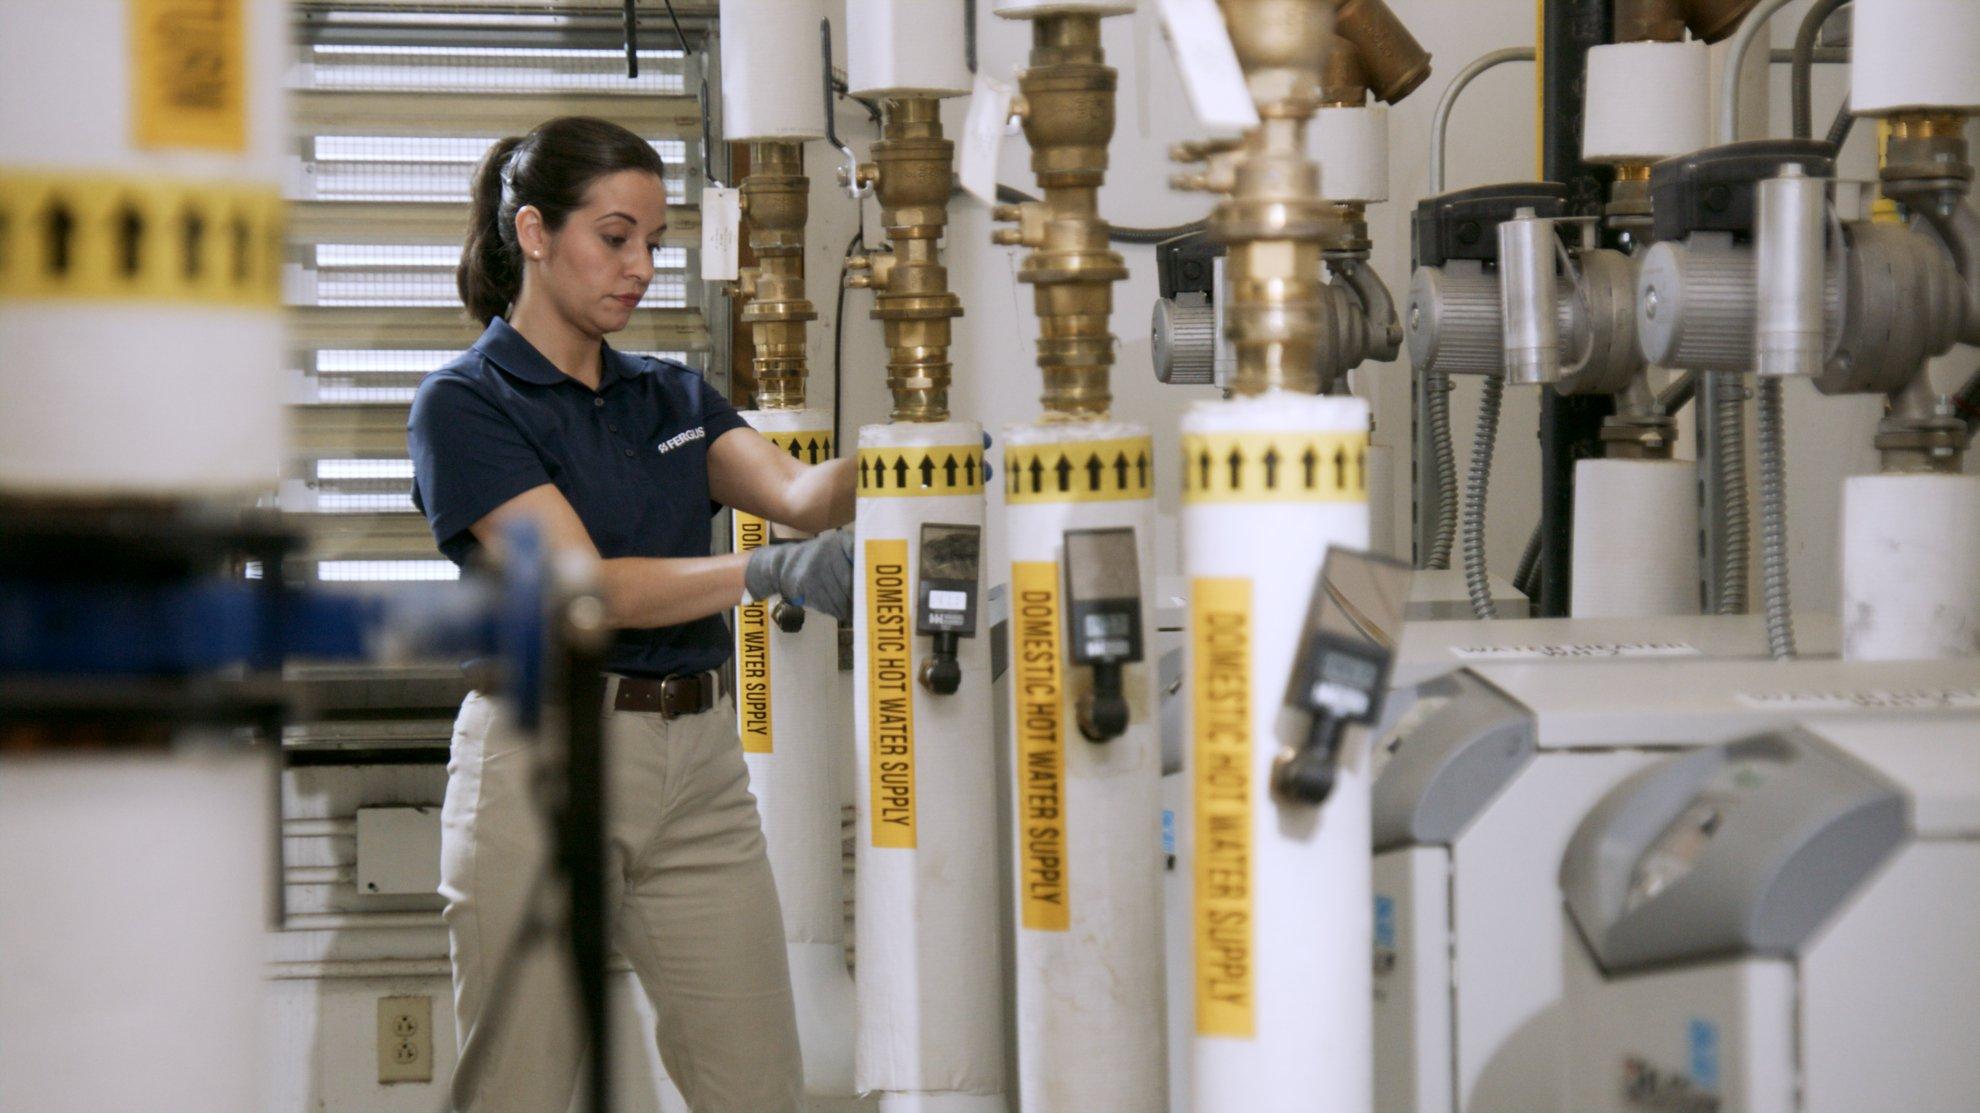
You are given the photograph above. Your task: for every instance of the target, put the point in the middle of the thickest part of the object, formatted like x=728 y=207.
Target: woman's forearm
x=644 y=592
x=821 y=497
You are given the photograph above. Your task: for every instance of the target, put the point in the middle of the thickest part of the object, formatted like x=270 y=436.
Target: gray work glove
x=816 y=574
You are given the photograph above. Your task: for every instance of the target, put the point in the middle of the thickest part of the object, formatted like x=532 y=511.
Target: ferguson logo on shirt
x=685 y=436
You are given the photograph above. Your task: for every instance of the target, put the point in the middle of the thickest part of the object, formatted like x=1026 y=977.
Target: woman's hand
x=816 y=574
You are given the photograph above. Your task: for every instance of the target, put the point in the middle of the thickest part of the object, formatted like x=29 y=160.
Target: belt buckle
x=685 y=695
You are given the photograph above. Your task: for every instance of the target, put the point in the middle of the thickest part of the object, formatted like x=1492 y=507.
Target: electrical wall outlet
x=405 y=1039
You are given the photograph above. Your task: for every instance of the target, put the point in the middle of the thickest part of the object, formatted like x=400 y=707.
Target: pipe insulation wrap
x=158 y=867
x=148 y=230
x=792 y=718
x=905 y=48
x=772 y=75
x=1911 y=54
x=1910 y=567
x=1352 y=147
x=1281 y=893
x=1635 y=539
x=930 y=1022
x=1089 y=862
x=1646 y=101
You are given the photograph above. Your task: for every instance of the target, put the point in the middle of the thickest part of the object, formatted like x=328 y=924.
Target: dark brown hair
x=551 y=168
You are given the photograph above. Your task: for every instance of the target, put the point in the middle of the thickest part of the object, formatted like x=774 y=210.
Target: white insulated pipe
x=1646 y=101
x=795 y=735
x=1635 y=539
x=773 y=73
x=141 y=321
x=130 y=952
x=1281 y=892
x=906 y=48
x=930 y=1034
x=1088 y=866
x=1910 y=567
x=1914 y=55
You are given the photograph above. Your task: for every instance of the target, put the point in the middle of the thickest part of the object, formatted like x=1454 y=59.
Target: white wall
x=1492 y=139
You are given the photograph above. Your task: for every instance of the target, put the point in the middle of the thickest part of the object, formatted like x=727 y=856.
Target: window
x=388 y=134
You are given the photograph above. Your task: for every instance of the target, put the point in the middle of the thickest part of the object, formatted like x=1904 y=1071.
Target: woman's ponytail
x=490 y=274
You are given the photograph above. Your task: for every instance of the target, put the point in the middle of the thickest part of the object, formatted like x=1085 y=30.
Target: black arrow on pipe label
x=107 y=237
x=920 y=470
x=1256 y=467
x=1080 y=471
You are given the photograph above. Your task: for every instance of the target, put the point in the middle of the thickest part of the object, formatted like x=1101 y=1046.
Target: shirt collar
x=506 y=348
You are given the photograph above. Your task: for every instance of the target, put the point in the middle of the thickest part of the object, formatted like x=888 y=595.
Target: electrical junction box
x=1481 y=790
x=398 y=851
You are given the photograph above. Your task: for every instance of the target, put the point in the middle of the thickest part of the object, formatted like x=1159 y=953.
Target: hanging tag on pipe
x=721 y=220
x=983 y=138
x=1211 y=75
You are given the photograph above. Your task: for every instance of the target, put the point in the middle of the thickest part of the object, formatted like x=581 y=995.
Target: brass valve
x=1273 y=223
x=1066 y=103
x=912 y=171
x=775 y=197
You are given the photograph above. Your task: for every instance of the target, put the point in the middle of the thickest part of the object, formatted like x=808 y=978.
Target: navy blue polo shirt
x=632 y=459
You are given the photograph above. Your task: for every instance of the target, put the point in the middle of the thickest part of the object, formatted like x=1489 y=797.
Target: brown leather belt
x=672 y=696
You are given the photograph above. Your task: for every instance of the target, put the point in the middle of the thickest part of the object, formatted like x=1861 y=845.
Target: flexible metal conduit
x=1724 y=392
x=1728 y=403
x=1440 y=471
x=1442 y=467
x=1773 y=521
x=1475 y=488
x=1440 y=122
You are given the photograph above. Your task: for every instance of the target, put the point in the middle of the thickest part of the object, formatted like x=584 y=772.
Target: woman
x=622 y=459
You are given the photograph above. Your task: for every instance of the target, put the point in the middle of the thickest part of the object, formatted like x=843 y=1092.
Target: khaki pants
x=692 y=903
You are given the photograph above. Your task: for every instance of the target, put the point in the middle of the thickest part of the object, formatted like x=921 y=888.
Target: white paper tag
x=721 y=221
x=948 y=601
x=1574 y=650
x=1868 y=699
x=983 y=138
x=1201 y=45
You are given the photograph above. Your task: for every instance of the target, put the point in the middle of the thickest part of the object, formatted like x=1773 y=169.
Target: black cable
x=857 y=243
x=680 y=36
x=632 y=41
x=1677 y=394
x=1839 y=129
x=1802 y=74
x=1529 y=563
x=1119 y=233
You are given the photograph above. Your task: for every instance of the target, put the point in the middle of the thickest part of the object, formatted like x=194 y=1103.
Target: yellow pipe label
x=112 y=238
x=812 y=447
x=889 y=694
x=753 y=651
x=1220 y=696
x=1080 y=471
x=1041 y=747
x=189 y=74
x=948 y=469
x=1275 y=467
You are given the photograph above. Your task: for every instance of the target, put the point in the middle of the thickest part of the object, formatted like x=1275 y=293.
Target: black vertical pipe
x=583 y=849
x=1570 y=427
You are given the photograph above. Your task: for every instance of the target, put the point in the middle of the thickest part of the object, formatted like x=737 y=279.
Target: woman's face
x=595 y=269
